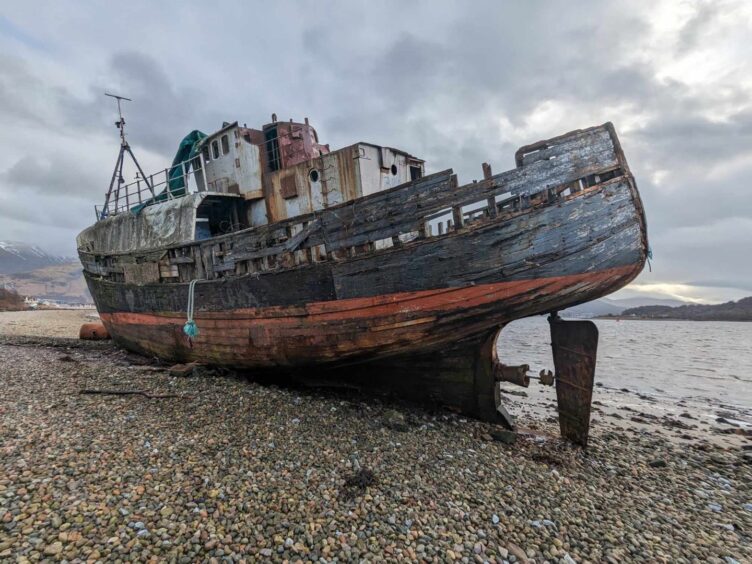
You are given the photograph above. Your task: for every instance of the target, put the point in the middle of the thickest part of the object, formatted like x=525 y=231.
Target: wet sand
x=46 y=322
x=227 y=468
x=635 y=414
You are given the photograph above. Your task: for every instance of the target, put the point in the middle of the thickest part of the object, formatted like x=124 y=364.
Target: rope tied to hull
x=190 y=328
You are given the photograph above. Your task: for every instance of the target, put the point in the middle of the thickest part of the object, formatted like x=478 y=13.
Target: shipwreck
x=266 y=249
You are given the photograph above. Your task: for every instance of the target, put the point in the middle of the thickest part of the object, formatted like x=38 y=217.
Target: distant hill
x=609 y=306
x=639 y=302
x=19 y=257
x=740 y=310
x=61 y=282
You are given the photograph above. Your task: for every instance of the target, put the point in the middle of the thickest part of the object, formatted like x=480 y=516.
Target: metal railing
x=171 y=183
x=183 y=178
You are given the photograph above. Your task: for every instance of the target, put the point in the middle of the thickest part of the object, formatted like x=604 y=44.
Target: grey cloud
x=159 y=114
x=18 y=87
x=698 y=26
x=720 y=283
x=56 y=212
x=52 y=175
x=696 y=140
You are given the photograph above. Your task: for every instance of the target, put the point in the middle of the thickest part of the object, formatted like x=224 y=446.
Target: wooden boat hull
x=355 y=329
x=573 y=230
x=389 y=304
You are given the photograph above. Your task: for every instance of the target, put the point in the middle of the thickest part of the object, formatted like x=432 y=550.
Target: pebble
x=244 y=471
x=504 y=436
x=54 y=548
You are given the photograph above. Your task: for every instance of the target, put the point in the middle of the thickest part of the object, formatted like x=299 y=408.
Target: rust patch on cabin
x=289 y=187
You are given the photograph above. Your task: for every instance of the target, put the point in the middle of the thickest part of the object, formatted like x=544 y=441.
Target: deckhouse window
x=225 y=145
x=215 y=149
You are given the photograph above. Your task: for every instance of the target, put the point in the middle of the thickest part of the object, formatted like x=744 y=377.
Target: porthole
x=394 y=170
x=314 y=175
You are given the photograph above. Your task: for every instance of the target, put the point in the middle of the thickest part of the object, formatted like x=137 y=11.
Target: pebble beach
x=214 y=466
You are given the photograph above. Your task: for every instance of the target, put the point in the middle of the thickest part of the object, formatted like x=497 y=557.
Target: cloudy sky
x=456 y=83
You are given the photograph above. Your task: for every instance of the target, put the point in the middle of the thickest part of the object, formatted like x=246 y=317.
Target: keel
x=461 y=376
x=466 y=376
x=574 y=345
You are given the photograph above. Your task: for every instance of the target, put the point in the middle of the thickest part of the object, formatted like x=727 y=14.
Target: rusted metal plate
x=574 y=344
x=289 y=187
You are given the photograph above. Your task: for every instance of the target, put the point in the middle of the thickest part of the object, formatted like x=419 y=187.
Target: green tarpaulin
x=187 y=150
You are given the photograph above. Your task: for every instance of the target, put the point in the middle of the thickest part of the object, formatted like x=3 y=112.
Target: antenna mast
x=118 y=172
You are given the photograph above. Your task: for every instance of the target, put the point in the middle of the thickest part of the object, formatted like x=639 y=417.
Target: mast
x=117 y=173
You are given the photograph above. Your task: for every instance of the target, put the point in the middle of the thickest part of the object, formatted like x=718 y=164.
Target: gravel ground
x=230 y=469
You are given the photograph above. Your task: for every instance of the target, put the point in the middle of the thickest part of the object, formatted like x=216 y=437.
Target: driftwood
x=144 y=393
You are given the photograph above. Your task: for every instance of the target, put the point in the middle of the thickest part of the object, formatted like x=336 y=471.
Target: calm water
x=702 y=363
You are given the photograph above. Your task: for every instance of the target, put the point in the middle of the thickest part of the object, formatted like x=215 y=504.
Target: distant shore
x=740 y=310
x=215 y=466
x=647 y=318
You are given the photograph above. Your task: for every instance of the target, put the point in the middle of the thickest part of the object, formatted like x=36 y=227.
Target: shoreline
x=226 y=467
x=633 y=318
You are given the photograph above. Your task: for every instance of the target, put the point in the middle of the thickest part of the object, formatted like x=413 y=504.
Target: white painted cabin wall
x=375 y=165
x=257 y=213
x=225 y=171
x=249 y=173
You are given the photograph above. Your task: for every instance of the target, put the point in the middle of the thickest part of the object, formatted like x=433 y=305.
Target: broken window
x=215 y=149
x=225 y=145
x=272 y=149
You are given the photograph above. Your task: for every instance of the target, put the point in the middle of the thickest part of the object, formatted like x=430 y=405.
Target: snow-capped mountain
x=20 y=257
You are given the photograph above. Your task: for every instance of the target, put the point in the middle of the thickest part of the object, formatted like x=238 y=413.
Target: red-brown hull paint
x=356 y=329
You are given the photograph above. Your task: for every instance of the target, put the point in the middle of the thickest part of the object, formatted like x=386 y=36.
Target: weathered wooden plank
x=288 y=246
x=594 y=231
x=262 y=235
x=552 y=148
x=280 y=341
x=518 y=248
x=143 y=273
x=379 y=215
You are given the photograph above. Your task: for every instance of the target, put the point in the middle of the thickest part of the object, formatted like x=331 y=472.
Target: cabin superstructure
x=239 y=177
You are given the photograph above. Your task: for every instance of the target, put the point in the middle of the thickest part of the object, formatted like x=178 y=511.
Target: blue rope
x=190 y=328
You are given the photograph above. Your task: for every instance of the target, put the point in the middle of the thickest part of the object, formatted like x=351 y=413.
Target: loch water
x=705 y=366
